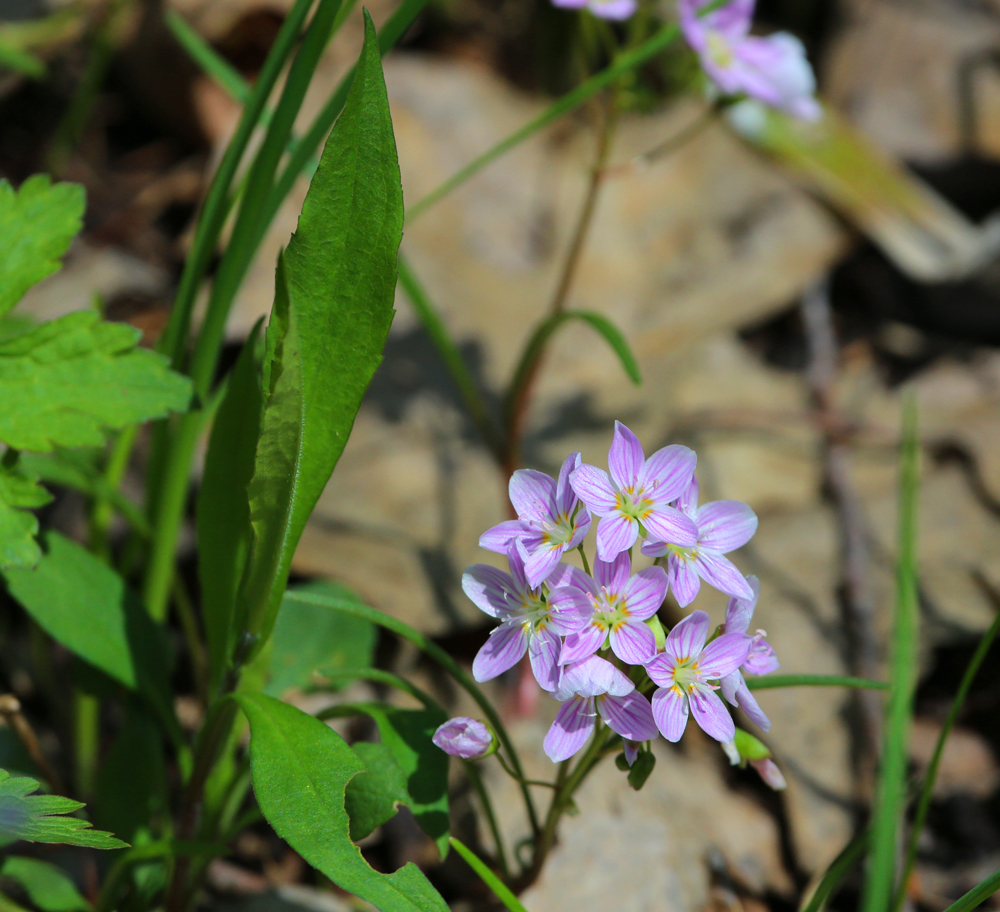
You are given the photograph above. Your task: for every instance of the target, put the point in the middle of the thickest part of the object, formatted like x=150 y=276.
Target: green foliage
x=641 y=770
x=312 y=638
x=300 y=770
x=47 y=886
x=36 y=818
x=498 y=887
x=810 y=680
x=37 y=224
x=83 y=604
x=372 y=797
x=332 y=311
x=749 y=747
x=18 y=494
x=223 y=514
x=65 y=382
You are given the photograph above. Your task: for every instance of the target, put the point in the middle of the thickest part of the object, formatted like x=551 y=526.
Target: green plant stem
x=849 y=856
x=927 y=789
x=890 y=796
x=516 y=778
x=103 y=510
x=379 y=676
x=583 y=557
x=976 y=895
x=86 y=729
x=476 y=778
x=488 y=877
x=808 y=680
x=192 y=637
x=447 y=663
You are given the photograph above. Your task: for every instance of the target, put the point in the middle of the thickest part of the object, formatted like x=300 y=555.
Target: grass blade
x=890 y=794
x=213 y=63
x=488 y=877
x=976 y=895
x=849 y=856
x=772 y=681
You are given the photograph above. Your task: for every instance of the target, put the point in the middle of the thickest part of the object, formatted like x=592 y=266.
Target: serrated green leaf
x=333 y=307
x=300 y=769
x=48 y=887
x=372 y=797
x=34 y=818
x=65 y=382
x=37 y=224
x=223 y=511
x=311 y=638
x=83 y=604
x=19 y=493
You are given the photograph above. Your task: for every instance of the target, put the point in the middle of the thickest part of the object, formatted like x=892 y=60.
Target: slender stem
x=475 y=777
x=518 y=778
x=976 y=895
x=102 y=510
x=385 y=677
x=10 y=709
x=927 y=790
x=86 y=718
x=849 y=856
x=192 y=637
x=662 y=150
x=807 y=680
x=583 y=557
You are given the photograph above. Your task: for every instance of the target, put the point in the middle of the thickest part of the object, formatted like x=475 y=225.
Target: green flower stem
x=447 y=663
x=516 y=778
x=488 y=877
x=927 y=789
x=583 y=557
x=808 y=680
x=475 y=777
x=86 y=740
x=102 y=509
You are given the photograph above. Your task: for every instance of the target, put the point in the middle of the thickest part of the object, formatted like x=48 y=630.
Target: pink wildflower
x=464 y=737
x=605 y=9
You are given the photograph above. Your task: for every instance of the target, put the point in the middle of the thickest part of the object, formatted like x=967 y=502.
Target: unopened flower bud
x=770 y=773
x=466 y=738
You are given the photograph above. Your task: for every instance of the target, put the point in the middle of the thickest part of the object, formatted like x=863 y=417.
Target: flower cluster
x=593 y=638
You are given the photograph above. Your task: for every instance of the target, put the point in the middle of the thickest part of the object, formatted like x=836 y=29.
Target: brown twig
x=10 y=710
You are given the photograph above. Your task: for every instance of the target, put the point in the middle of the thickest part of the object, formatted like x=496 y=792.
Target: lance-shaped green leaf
x=19 y=493
x=37 y=224
x=300 y=769
x=332 y=311
x=47 y=886
x=64 y=383
x=38 y=818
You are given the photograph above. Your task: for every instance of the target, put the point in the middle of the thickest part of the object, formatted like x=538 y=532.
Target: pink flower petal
x=572 y=727
x=582 y=645
x=593 y=486
x=652 y=548
x=669 y=525
x=687 y=503
x=625 y=458
x=631 y=749
x=667 y=474
x=688 y=637
x=633 y=643
x=722 y=573
x=570 y=610
x=630 y=716
x=660 y=669
x=581 y=526
x=746 y=701
x=568 y=575
x=711 y=714
x=539 y=566
x=770 y=773
x=490 y=589
x=533 y=494
x=613 y=575
x=724 y=655
x=616 y=10
x=543 y=653
x=501 y=535
x=615 y=533
x=565 y=495
x=594 y=676
x=645 y=592
x=739 y=612
x=684 y=579
x=670 y=712
x=503 y=650
x=725 y=525
x=761 y=659
x=517 y=575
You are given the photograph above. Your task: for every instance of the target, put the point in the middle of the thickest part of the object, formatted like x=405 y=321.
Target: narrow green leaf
x=890 y=793
x=372 y=797
x=333 y=307
x=213 y=63
x=976 y=895
x=67 y=381
x=223 y=508
x=300 y=769
x=810 y=680
x=83 y=604
x=19 y=493
x=37 y=224
x=498 y=887
x=34 y=817
x=311 y=638
x=49 y=887
x=849 y=856
x=21 y=61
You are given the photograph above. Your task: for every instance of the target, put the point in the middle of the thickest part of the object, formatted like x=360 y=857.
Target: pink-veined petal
x=500 y=652
x=711 y=714
x=625 y=458
x=593 y=486
x=739 y=612
x=687 y=503
x=582 y=645
x=660 y=669
x=688 y=637
x=630 y=716
x=565 y=495
x=615 y=533
x=572 y=727
x=645 y=592
x=501 y=535
x=568 y=575
x=670 y=712
x=581 y=526
x=747 y=702
x=725 y=525
x=669 y=525
x=570 y=4
x=533 y=494
x=729 y=684
x=516 y=562
x=612 y=575
x=631 y=749
x=570 y=610
x=490 y=589
x=667 y=473
x=594 y=676
x=724 y=655
x=684 y=579
x=540 y=564
x=543 y=653
x=761 y=659
x=633 y=643
x=722 y=573
x=653 y=548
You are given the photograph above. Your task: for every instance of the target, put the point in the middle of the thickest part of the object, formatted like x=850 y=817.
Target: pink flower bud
x=466 y=738
x=770 y=773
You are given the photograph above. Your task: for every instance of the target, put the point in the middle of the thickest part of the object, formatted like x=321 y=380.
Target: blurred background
x=781 y=296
